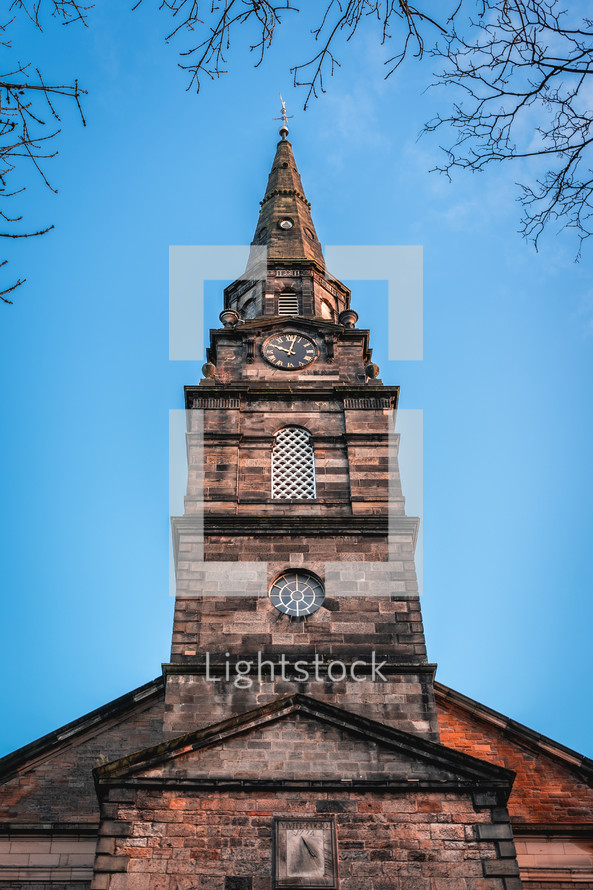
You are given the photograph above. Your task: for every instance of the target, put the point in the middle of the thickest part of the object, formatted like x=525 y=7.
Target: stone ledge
x=237 y=524
x=67 y=829
x=199 y=669
x=500 y=868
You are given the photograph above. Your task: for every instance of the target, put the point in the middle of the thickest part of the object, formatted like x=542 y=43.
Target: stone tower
x=294 y=434
x=301 y=738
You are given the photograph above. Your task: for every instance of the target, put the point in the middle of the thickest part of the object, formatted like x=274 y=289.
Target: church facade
x=297 y=737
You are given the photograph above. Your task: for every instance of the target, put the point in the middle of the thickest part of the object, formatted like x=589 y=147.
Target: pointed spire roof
x=285 y=225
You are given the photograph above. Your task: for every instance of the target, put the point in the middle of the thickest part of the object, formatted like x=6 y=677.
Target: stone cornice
x=315 y=391
x=51 y=829
x=255 y=326
x=390 y=669
x=279 y=191
x=247 y=524
x=553 y=829
x=316 y=785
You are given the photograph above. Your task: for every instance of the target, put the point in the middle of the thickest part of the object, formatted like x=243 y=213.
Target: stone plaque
x=305 y=853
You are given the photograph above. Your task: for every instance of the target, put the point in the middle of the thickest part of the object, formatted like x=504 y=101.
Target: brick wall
x=545 y=790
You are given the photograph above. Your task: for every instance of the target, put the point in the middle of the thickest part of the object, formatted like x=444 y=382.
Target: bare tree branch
x=68 y=11
x=8 y=290
x=27 y=104
x=523 y=68
x=221 y=21
x=23 y=235
x=218 y=20
x=519 y=67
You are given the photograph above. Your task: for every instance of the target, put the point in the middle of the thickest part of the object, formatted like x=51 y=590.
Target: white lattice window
x=288 y=303
x=293 y=464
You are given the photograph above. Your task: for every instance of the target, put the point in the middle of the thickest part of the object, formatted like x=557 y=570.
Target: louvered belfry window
x=293 y=464
x=288 y=303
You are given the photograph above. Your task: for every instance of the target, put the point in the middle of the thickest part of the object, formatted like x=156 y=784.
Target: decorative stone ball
x=372 y=370
x=208 y=370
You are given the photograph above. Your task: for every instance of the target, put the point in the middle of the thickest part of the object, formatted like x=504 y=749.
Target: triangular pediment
x=282 y=322
x=301 y=740
x=297 y=322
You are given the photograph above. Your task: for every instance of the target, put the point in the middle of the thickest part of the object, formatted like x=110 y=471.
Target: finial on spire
x=284 y=126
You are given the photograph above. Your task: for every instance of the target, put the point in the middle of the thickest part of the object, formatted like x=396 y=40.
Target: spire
x=285 y=225
x=288 y=277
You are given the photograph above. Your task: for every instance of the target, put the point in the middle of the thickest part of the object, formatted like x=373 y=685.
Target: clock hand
x=292 y=344
x=311 y=852
x=283 y=349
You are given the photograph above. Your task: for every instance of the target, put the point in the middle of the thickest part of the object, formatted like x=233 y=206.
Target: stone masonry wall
x=237 y=355
x=65 y=860
x=58 y=787
x=405 y=701
x=172 y=840
x=355 y=455
x=345 y=626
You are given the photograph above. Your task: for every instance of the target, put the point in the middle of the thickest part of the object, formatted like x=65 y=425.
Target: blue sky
x=87 y=384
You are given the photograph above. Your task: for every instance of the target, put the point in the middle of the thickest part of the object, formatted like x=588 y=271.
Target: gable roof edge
x=11 y=763
x=518 y=730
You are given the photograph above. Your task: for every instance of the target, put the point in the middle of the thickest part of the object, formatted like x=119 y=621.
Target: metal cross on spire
x=285 y=118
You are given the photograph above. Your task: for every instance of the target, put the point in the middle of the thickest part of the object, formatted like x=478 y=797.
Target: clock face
x=289 y=351
x=297 y=593
x=305 y=853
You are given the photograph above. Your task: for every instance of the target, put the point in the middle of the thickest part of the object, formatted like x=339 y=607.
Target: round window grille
x=297 y=593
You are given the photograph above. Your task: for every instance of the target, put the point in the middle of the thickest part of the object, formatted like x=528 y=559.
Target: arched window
x=326 y=310
x=293 y=464
x=249 y=309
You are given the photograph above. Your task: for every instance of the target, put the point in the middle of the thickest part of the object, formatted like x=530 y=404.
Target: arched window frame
x=293 y=465
x=249 y=309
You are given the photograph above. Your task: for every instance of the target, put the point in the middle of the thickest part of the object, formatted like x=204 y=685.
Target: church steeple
x=285 y=225
x=293 y=282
